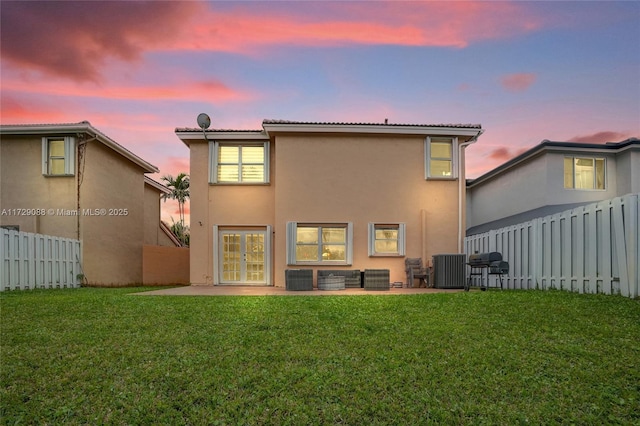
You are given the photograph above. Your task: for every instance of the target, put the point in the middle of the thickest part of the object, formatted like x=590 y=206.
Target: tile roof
x=338 y=123
x=327 y=123
x=199 y=130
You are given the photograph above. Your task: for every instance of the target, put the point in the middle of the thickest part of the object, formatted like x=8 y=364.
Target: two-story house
x=72 y=181
x=323 y=195
x=549 y=178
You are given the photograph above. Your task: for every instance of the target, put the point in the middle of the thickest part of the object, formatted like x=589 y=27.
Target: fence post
x=631 y=224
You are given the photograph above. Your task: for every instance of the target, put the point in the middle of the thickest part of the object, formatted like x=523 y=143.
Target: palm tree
x=179 y=191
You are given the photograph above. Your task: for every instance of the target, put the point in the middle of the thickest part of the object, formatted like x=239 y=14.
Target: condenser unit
x=449 y=270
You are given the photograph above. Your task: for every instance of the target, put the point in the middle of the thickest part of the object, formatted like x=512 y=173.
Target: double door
x=243 y=257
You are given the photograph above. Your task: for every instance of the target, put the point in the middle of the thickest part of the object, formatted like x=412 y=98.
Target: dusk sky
x=525 y=71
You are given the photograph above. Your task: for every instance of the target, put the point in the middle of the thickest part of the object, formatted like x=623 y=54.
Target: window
x=386 y=239
x=441 y=159
x=584 y=173
x=245 y=163
x=58 y=156
x=309 y=243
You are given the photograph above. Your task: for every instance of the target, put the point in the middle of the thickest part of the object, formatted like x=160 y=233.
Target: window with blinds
x=239 y=163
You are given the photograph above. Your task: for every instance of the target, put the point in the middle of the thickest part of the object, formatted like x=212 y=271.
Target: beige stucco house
x=72 y=181
x=323 y=196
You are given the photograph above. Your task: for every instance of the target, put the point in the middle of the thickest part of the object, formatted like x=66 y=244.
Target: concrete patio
x=205 y=290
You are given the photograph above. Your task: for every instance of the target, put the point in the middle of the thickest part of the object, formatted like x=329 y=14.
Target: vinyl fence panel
x=32 y=261
x=590 y=249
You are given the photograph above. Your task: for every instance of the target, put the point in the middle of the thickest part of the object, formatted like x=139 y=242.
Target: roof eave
x=82 y=127
x=157 y=185
x=174 y=239
x=188 y=136
x=275 y=128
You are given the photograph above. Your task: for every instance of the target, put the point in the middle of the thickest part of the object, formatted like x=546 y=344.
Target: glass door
x=242 y=257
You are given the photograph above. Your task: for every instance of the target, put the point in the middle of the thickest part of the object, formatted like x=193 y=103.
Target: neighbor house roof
x=523 y=217
x=187 y=134
x=157 y=185
x=76 y=128
x=169 y=233
x=547 y=146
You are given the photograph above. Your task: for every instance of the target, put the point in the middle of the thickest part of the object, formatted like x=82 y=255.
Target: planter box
x=331 y=282
x=299 y=279
x=352 y=277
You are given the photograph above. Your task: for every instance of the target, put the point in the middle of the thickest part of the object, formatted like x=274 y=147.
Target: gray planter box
x=299 y=279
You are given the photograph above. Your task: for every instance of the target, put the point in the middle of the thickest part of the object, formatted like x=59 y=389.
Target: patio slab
x=210 y=290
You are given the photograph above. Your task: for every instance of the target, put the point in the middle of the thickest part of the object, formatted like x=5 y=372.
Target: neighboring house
x=72 y=181
x=323 y=196
x=549 y=178
x=156 y=232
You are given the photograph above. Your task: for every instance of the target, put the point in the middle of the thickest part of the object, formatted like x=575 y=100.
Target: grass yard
x=103 y=356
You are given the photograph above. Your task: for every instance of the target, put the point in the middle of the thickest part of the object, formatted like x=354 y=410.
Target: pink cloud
x=74 y=39
x=16 y=110
x=451 y=24
x=518 y=82
x=500 y=154
x=503 y=154
x=174 y=166
x=77 y=40
x=601 y=137
x=211 y=89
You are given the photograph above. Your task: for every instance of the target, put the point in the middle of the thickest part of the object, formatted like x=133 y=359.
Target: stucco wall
x=23 y=186
x=165 y=265
x=628 y=172
x=200 y=239
x=506 y=196
x=329 y=178
x=113 y=241
x=362 y=179
x=534 y=183
x=152 y=229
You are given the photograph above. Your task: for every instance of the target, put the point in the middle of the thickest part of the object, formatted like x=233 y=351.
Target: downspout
x=80 y=163
x=461 y=186
x=80 y=171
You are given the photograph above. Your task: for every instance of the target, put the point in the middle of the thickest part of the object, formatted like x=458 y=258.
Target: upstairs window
x=58 y=156
x=441 y=160
x=239 y=163
x=386 y=239
x=584 y=173
x=310 y=243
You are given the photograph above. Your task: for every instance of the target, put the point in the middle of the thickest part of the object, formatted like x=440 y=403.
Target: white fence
x=32 y=261
x=590 y=249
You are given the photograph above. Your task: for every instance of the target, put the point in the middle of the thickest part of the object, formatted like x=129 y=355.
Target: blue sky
x=525 y=71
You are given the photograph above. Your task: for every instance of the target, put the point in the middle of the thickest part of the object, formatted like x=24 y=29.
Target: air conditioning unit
x=449 y=270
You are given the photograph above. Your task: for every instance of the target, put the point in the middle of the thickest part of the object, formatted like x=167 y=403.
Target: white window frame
x=214 y=147
x=573 y=159
x=69 y=155
x=401 y=228
x=268 y=249
x=454 y=157
x=292 y=228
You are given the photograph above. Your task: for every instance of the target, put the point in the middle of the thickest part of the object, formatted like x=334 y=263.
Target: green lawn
x=104 y=356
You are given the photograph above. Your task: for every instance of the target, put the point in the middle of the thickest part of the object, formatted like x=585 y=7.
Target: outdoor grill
x=491 y=262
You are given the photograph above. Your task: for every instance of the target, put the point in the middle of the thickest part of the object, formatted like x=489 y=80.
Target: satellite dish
x=204 y=121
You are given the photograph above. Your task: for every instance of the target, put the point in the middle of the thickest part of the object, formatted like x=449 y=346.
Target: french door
x=243 y=257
